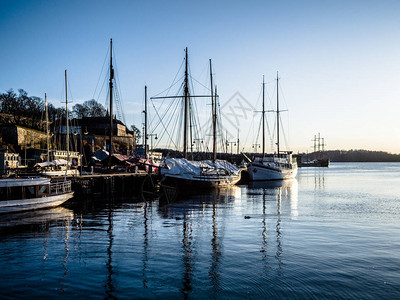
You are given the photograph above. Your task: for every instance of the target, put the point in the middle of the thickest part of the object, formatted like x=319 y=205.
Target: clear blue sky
x=339 y=61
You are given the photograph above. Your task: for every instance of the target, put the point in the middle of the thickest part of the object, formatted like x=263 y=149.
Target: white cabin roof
x=14 y=182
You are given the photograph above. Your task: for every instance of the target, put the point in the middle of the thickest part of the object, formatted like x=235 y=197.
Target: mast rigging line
x=173 y=81
x=165 y=113
x=167 y=125
x=101 y=72
x=162 y=123
x=118 y=94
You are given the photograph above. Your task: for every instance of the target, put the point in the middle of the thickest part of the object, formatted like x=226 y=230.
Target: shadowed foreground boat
x=21 y=194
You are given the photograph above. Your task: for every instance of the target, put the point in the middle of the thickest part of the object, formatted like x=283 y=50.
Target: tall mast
x=214 y=119
x=186 y=91
x=277 y=111
x=47 y=127
x=191 y=130
x=111 y=105
x=145 y=121
x=238 y=142
x=319 y=142
x=263 y=118
x=66 y=108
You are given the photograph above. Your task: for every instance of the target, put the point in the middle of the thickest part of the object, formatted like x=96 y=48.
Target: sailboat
x=277 y=166
x=189 y=174
x=58 y=161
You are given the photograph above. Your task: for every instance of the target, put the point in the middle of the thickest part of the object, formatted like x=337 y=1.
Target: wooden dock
x=127 y=184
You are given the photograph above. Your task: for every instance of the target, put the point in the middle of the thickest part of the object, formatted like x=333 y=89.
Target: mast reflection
x=264 y=231
x=277 y=192
x=279 y=249
x=187 y=242
x=109 y=286
x=215 y=246
x=145 y=245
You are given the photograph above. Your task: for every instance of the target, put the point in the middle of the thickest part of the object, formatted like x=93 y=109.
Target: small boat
x=21 y=194
x=277 y=166
x=57 y=167
x=273 y=167
x=323 y=162
x=320 y=159
x=54 y=165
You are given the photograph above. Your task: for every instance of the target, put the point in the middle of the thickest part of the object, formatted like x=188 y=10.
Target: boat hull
x=35 y=203
x=183 y=183
x=258 y=172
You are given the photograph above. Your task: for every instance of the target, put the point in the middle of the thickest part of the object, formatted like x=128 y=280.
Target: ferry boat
x=21 y=194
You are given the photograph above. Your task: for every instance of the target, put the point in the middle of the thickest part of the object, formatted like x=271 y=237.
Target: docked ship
x=320 y=159
x=21 y=194
x=277 y=166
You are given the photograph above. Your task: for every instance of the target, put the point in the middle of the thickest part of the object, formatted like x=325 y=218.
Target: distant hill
x=360 y=156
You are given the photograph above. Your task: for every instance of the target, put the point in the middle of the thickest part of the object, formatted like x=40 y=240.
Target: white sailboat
x=189 y=174
x=58 y=161
x=276 y=166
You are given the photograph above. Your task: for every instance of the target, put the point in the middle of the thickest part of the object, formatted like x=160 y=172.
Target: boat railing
x=60 y=187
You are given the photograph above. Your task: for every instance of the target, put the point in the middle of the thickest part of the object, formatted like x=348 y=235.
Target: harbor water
x=332 y=233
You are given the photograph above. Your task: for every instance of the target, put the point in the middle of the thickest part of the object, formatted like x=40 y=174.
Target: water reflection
x=216 y=251
x=109 y=286
x=273 y=194
x=145 y=245
x=288 y=189
x=34 y=221
x=65 y=259
x=319 y=178
x=187 y=244
x=200 y=208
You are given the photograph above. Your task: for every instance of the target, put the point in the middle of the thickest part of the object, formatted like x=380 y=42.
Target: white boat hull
x=35 y=203
x=259 y=172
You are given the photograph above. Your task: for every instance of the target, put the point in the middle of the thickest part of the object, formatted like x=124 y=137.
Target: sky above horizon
x=338 y=61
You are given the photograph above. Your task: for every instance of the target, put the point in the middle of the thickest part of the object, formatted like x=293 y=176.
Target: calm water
x=332 y=233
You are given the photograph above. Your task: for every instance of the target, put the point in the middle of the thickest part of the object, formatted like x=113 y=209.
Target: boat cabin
x=24 y=188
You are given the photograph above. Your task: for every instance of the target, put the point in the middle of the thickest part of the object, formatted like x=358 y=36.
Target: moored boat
x=21 y=194
x=185 y=174
x=273 y=167
x=277 y=166
x=204 y=174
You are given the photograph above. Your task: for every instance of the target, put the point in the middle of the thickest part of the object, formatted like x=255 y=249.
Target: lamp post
x=255 y=146
x=151 y=135
x=232 y=144
x=198 y=142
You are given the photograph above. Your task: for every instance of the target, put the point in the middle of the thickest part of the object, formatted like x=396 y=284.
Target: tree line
x=357 y=156
x=29 y=111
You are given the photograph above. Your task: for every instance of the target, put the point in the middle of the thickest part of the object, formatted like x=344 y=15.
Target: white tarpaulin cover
x=57 y=162
x=181 y=166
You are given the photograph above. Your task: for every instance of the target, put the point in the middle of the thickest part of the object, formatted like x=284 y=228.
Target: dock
x=123 y=184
